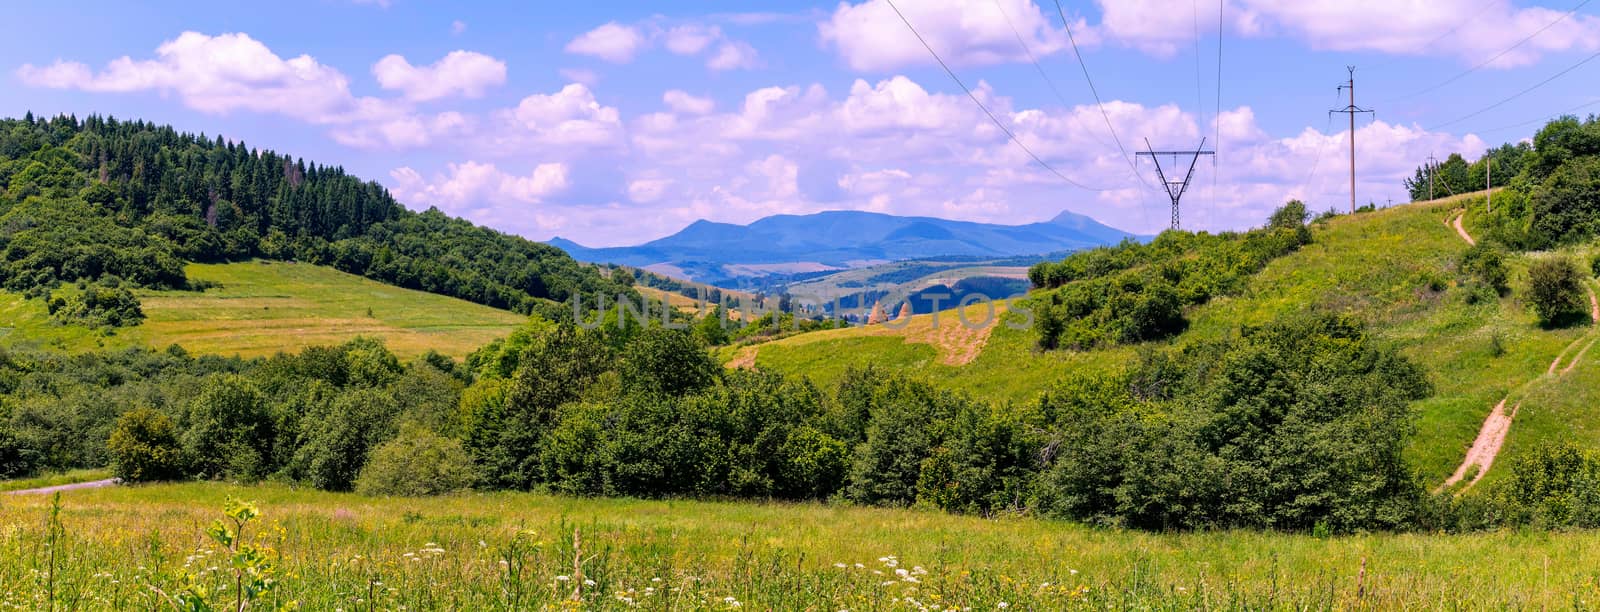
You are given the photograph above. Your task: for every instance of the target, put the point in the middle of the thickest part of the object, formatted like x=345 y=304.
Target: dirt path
x=1484 y=449
x=1462 y=230
x=1594 y=306
x=745 y=360
x=66 y=487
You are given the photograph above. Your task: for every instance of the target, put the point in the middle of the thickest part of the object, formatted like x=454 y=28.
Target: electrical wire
x=1516 y=95
x=981 y=105
x=1216 y=145
x=1103 y=114
x=1048 y=81
x=1546 y=118
x=1497 y=56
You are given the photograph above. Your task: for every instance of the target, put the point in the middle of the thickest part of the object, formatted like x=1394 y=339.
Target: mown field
x=122 y=547
x=260 y=308
x=1394 y=269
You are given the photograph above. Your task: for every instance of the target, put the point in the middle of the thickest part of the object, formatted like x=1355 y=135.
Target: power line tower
x=1352 y=110
x=1175 y=189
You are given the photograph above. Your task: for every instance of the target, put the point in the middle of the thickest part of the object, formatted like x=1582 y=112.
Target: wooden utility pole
x=1353 y=110
x=1433 y=163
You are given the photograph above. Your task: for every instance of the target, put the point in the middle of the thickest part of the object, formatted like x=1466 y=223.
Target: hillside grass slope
x=1395 y=269
x=259 y=308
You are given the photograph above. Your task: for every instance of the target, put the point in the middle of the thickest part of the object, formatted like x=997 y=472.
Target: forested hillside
x=113 y=202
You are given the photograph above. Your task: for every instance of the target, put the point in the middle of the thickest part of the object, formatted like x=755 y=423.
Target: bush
x=1290 y=425
x=144 y=447
x=1291 y=215
x=229 y=430
x=1486 y=264
x=16 y=459
x=1555 y=291
x=1558 y=485
x=97 y=305
x=416 y=463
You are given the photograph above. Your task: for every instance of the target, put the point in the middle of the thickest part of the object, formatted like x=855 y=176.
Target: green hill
x=259 y=308
x=1395 y=269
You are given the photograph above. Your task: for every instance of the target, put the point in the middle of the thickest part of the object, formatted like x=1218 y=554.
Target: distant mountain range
x=784 y=244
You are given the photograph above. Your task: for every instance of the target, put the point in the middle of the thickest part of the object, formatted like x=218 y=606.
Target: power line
x=1497 y=56
x=1516 y=95
x=981 y=105
x=1545 y=118
x=1049 y=81
x=1103 y=114
x=1216 y=168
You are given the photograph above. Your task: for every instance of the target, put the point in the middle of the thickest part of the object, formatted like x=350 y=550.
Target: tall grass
x=127 y=547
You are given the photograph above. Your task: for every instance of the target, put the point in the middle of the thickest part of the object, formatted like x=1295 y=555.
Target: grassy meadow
x=122 y=547
x=260 y=308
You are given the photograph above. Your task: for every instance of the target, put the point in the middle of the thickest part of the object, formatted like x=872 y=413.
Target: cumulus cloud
x=619 y=43
x=234 y=72
x=870 y=37
x=467 y=185
x=217 y=74
x=570 y=117
x=612 y=42
x=460 y=73
x=682 y=102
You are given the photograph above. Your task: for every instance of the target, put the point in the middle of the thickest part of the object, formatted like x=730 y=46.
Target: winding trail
x=1487 y=446
x=94 y=484
x=1492 y=434
x=1462 y=230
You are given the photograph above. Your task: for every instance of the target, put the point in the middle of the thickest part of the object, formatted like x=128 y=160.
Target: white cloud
x=872 y=38
x=234 y=72
x=734 y=55
x=473 y=185
x=612 y=42
x=647 y=190
x=619 y=43
x=464 y=73
x=218 y=74
x=691 y=39
x=681 y=102
x=570 y=116
x=406 y=132
x=457 y=27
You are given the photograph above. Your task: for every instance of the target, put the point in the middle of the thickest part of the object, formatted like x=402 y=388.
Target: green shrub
x=229 y=432
x=1289 y=425
x=1486 y=264
x=418 y=462
x=1558 y=485
x=102 y=304
x=144 y=447
x=16 y=459
x=1555 y=291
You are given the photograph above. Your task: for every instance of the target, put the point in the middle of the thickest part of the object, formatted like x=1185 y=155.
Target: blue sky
x=617 y=122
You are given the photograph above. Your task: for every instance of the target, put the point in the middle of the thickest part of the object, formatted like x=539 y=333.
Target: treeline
x=1135 y=292
x=1455 y=175
x=1295 y=425
x=80 y=200
x=1551 y=194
